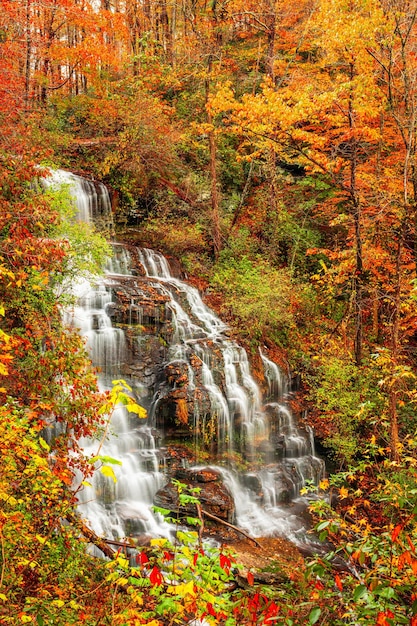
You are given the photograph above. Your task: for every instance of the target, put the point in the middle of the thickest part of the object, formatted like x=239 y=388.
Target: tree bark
x=238 y=530
x=395 y=350
x=89 y=534
x=28 y=51
x=358 y=278
x=215 y=200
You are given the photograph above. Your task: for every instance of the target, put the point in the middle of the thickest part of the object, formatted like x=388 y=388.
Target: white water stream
x=265 y=435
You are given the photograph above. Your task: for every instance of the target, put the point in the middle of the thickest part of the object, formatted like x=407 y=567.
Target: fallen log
x=105 y=544
x=235 y=528
x=99 y=542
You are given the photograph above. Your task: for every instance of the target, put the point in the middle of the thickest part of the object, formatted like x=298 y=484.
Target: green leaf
x=162 y=511
x=193 y=521
x=109 y=459
x=387 y=593
x=359 y=592
x=186 y=499
x=43 y=444
x=168 y=605
x=104 y=459
x=314 y=615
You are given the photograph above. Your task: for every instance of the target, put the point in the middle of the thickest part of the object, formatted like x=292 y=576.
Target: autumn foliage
x=271 y=146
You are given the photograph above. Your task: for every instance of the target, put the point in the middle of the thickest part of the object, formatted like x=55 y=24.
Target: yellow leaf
x=135 y=595
x=186 y=589
x=159 y=541
x=343 y=493
x=41 y=539
x=108 y=471
x=132 y=407
x=43 y=444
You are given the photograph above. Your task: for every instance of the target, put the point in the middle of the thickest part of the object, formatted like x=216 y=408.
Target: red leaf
x=142 y=558
x=225 y=563
x=156 y=577
x=250 y=578
x=338 y=582
x=210 y=610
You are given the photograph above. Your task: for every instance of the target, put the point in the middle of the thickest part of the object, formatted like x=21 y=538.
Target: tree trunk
x=89 y=534
x=271 y=43
x=358 y=287
x=215 y=199
x=358 y=278
x=395 y=349
x=28 y=51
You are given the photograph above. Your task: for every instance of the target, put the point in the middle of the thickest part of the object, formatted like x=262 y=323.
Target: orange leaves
x=384 y=618
x=62 y=41
x=396 y=532
x=343 y=493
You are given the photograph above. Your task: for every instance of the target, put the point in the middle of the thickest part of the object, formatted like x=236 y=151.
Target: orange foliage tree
x=343 y=111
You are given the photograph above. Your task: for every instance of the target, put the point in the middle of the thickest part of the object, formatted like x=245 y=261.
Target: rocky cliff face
x=204 y=407
x=142 y=310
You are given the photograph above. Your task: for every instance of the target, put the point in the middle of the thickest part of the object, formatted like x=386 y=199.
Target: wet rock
x=176 y=373
x=280 y=483
x=213 y=496
x=252 y=482
x=200 y=475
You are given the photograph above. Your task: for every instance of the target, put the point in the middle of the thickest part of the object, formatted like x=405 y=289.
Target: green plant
x=177 y=581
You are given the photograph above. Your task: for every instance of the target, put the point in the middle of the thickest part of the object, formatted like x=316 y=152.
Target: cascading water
x=153 y=330
x=90 y=198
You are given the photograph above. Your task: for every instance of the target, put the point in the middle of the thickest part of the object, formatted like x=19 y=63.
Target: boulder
x=214 y=496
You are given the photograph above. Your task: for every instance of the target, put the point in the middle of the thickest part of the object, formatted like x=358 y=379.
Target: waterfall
x=91 y=199
x=152 y=329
